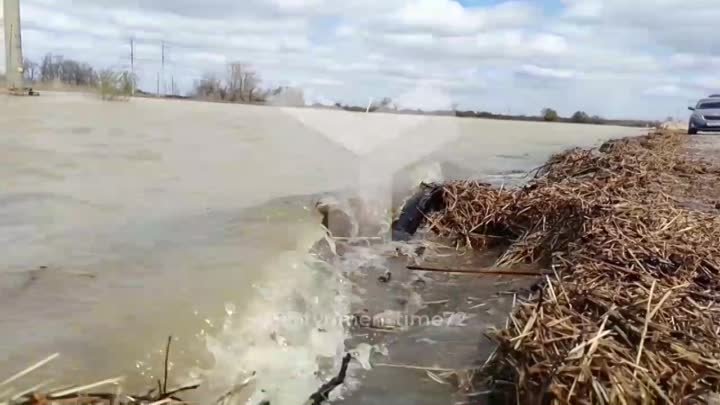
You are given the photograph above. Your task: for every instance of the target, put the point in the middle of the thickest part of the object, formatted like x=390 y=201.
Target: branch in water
x=323 y=393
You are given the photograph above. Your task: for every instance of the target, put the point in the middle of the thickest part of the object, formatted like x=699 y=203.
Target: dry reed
x=87 y=394
x=632 y=315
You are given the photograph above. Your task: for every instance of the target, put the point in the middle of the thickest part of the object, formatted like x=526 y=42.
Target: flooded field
x=124 y=222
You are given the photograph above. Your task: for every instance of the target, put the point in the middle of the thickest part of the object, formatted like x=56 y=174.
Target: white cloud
x=484 y=57
x=543 y=72
x=448 y=17
x=664 y=90
x=324 y=81
x=584 y=8
x=682 y=25
x=425 y=97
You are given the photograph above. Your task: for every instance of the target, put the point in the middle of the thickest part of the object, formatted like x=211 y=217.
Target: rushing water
x=122 y=223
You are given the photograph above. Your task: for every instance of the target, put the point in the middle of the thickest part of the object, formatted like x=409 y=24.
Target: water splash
x=290 y=336
x=283 y=344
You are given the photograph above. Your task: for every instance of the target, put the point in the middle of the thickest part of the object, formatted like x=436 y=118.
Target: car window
x=708 y=106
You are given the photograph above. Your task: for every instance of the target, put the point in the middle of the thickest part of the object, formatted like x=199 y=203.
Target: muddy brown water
x=124 y=222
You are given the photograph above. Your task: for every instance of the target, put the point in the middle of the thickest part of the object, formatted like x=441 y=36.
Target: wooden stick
x=645 y=327
x=411 y=367
x=167 y=362
x=357 y=238
x=187 y=387
x=30 y=390
x=30 y=369
x=234 y=390
x=162 y=401
x=474 y=272
x=85 y=387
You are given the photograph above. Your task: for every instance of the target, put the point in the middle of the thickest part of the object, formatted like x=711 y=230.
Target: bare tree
x=68 y=71
x=243 y=82
x=31 y=70
x=48 y=68
x=210 y=87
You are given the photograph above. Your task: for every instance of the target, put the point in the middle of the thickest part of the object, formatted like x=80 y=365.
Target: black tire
x=692 y=131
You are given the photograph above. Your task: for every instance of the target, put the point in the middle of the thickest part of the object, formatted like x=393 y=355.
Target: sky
x=615 y=58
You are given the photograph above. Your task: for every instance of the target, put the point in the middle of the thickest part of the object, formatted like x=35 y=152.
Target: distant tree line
x=551 y=115
x=242 y=83
x=56 y=68
x=546 y=114
x=384 y=104
x=65 y=72
x=579 y=117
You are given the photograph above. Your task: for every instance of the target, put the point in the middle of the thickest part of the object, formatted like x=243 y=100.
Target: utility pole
x=13 y=45
x=132 y=55
x=132 y=63
x=162 y=66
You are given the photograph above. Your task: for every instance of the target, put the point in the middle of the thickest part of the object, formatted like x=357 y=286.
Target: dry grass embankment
x=631 y=315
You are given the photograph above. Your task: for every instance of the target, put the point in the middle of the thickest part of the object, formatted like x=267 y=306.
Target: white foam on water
x=289 y=338
x=279 y=342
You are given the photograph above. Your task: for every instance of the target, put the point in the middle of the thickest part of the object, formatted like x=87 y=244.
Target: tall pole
x=162 y=67
x=132 y=55
x=13 y=45
x=132 y=63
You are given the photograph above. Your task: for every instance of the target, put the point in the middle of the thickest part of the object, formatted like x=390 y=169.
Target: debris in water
x=323 y=394
x=492 y=272
x=436 y=378
x=159 y=395
x=386 y=277
x=81 y=394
